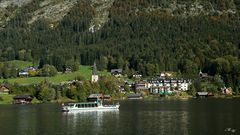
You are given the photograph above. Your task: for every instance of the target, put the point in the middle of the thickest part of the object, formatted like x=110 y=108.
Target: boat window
x=71 y=105
x=95 y=105
x=79 y=105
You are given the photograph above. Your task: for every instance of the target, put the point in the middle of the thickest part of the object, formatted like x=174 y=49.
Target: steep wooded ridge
x=146 y=36
x=55 y=10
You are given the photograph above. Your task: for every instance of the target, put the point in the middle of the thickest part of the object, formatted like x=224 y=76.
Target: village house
x=117 y=72
x=4 y=90
x=164 y=75
x=167 y=86
x=22 y=99
x=134 y=96
x=141 y=85
x=121 y=88
x=204 y=94
x=183 y=84
x=203 y=75
x=201 y=94
x=25 y=72
x=174 y=83
x=129 y=84
x=67 y=70
x=160 y=86
x=96 y=97
x=227 y=91
x=107 y=97
x=137 y=75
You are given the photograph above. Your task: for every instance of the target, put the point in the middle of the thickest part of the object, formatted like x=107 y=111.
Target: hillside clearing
x=84 y=71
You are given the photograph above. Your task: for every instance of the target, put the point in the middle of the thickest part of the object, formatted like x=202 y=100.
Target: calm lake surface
x=158 y=117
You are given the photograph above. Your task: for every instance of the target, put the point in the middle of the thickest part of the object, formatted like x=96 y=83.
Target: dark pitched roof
x=22 y=96
x=4 y=88
x=134 y=95
x=116 y=70
x=28 y=69
x=95 y=96
x=107 y=96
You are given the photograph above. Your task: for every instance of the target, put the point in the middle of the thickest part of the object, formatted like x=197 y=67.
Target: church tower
x=94 y=74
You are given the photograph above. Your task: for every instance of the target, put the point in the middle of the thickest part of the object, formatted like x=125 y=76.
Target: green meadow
x=20 y=64
x=6 y=99
x=84 y=71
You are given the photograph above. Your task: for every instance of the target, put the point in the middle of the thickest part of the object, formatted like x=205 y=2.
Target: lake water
x=158 y=117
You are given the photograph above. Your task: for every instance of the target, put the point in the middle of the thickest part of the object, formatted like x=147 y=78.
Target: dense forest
x=134 y=38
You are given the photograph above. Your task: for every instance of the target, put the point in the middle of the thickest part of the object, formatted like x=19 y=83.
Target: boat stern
x=117 y=105
x=65 y=109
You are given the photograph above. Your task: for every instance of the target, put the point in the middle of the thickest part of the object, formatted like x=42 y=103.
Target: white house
x=160 y=86
x=183 y=85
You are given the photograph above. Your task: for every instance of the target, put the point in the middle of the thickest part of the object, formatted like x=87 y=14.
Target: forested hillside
x=145 y=36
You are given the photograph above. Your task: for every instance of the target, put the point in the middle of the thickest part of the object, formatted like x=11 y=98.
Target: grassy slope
x=20 y=64
x=84 y=71
x=6 y=99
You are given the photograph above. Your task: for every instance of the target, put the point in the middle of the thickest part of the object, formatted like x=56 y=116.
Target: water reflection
x=26 y=121
x=160 y=122
x=192 y=117
x=173 y=122
x=90 y=122
x=155 y=118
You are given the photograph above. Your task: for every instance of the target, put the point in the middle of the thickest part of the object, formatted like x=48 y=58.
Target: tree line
x=78 y=91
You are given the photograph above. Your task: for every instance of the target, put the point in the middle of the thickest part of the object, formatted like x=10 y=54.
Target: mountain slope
x=145 y=36
x=53 y=11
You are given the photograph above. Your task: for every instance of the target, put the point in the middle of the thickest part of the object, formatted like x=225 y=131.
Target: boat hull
x=100 y=108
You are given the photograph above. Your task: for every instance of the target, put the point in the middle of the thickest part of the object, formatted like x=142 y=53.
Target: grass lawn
x=6 y=99
x=84 y=71
x=20 y=64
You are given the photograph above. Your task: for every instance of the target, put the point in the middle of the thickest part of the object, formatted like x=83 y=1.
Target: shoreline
x=7 y=99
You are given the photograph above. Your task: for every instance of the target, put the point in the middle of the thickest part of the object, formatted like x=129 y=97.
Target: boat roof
x=83 y=102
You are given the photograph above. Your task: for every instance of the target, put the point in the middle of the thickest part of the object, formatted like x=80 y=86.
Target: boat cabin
x=84 y=105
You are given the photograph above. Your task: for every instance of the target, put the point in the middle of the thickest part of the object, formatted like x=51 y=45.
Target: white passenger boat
x=88 y=106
